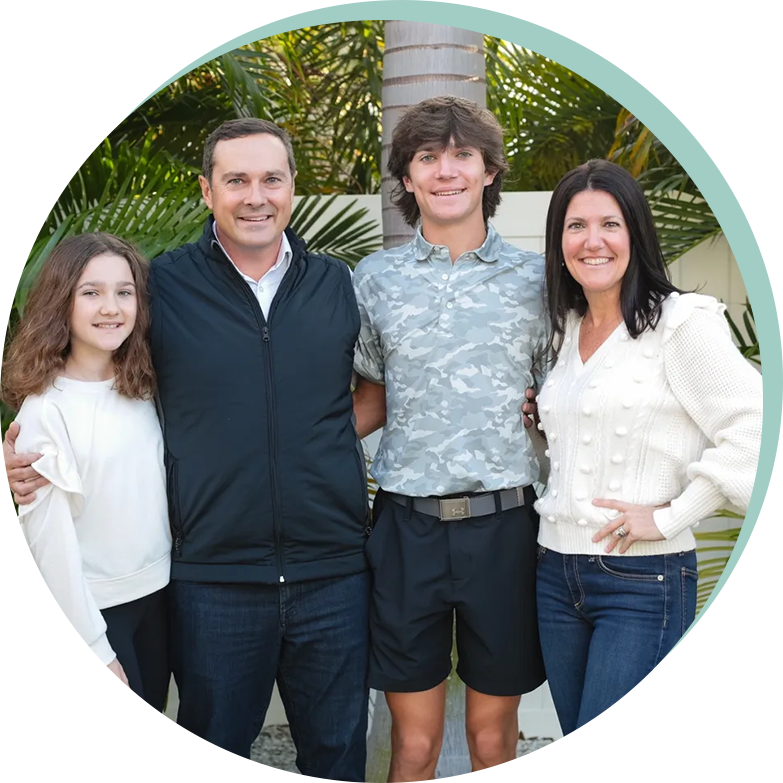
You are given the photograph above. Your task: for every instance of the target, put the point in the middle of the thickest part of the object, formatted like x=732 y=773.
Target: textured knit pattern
x=454 y=345
x=672 y=416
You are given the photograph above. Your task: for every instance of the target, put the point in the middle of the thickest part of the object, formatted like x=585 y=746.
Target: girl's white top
x=99 y=531
x=672 y=416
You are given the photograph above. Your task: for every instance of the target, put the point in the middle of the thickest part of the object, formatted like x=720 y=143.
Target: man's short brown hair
x=238 y=129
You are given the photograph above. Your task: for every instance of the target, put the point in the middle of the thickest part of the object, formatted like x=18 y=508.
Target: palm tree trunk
x=423 y=60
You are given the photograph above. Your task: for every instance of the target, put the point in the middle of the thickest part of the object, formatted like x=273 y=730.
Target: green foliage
x=747 y=343
x=553 y=118
x=145 y=196
x=372 y=484
x=715 y=549
x=346 y=235
x=322 y=84
x=683 y=218
x=342 y=63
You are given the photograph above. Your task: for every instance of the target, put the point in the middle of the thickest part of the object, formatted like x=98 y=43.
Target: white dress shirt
x=265 y=288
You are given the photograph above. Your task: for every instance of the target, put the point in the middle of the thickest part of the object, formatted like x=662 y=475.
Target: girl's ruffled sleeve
x=49 y=523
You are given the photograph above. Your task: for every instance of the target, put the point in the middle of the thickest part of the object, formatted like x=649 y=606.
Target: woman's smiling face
x=596 y=243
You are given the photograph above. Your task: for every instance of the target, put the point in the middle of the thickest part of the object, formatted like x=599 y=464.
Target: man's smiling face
x=251 y=193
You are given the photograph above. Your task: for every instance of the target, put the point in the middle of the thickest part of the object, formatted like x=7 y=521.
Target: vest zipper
x=271 y=408
x=273 y=455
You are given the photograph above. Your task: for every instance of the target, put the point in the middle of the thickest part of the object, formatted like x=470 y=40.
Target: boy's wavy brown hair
x=38 y=350
x=435 y=123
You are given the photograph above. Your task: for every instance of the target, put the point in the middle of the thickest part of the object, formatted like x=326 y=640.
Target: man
x=451 y=323
x=252 y=340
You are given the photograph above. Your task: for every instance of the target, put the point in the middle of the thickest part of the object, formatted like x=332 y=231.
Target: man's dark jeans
x=231 y=642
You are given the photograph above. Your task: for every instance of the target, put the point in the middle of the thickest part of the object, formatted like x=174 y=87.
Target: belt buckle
x=454 y=508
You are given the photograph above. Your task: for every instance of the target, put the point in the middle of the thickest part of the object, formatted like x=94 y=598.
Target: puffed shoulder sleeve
x=43 y=430
x=722 y=393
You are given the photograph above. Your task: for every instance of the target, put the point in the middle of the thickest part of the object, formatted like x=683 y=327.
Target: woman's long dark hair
x=646 y=282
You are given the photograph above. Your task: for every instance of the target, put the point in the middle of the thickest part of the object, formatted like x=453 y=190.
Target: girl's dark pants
x=138 y=633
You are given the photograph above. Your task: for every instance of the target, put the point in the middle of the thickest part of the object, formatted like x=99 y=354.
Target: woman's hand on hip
x=632 y=523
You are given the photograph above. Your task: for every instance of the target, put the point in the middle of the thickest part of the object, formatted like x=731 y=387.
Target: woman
x=653 y=420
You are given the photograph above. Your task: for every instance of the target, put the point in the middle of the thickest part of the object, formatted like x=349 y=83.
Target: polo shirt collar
x=488 y=252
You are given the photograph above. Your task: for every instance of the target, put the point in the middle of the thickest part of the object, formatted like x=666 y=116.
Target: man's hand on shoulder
x=22 y=479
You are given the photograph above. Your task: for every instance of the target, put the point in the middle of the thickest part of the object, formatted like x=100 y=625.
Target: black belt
x=467 y=506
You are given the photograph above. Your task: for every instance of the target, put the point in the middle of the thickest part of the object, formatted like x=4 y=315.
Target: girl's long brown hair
x=37 y=353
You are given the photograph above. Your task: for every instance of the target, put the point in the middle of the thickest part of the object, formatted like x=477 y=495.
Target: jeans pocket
x=638 y=568
x=540 y=552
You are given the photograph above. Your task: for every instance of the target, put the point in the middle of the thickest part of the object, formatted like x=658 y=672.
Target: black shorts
x=425 y=571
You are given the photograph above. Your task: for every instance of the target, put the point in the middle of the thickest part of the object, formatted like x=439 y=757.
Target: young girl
x=79 y=367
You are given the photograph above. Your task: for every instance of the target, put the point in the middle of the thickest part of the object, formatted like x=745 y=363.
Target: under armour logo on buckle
x=454 y=508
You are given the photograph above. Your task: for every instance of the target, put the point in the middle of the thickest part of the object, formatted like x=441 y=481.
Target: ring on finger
x=621 y=532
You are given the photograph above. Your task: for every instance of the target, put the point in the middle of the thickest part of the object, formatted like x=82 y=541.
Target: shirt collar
x=283 y=256
x=488 y=252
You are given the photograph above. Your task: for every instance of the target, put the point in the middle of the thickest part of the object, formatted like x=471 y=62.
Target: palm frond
x=147 y=198
x=553 y=118
x=682 y=222
x=748 y=343
x=344 y=234
x=711 y=568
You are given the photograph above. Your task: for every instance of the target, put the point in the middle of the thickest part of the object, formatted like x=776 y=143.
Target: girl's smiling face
x=104 y=306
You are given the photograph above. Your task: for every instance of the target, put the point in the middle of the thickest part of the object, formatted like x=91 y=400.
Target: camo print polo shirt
x=454 y=345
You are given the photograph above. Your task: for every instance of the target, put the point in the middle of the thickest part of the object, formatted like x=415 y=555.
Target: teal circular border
x=702 y=77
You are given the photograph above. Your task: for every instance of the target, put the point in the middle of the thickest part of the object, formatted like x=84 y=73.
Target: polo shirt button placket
x=445 y=315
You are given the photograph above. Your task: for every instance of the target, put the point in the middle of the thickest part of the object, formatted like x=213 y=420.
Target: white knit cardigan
x=672 y=416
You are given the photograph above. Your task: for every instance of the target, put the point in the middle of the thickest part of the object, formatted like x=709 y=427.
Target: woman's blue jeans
x=606 y=621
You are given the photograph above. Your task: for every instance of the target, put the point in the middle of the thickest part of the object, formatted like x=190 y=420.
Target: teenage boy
x=450 y=326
